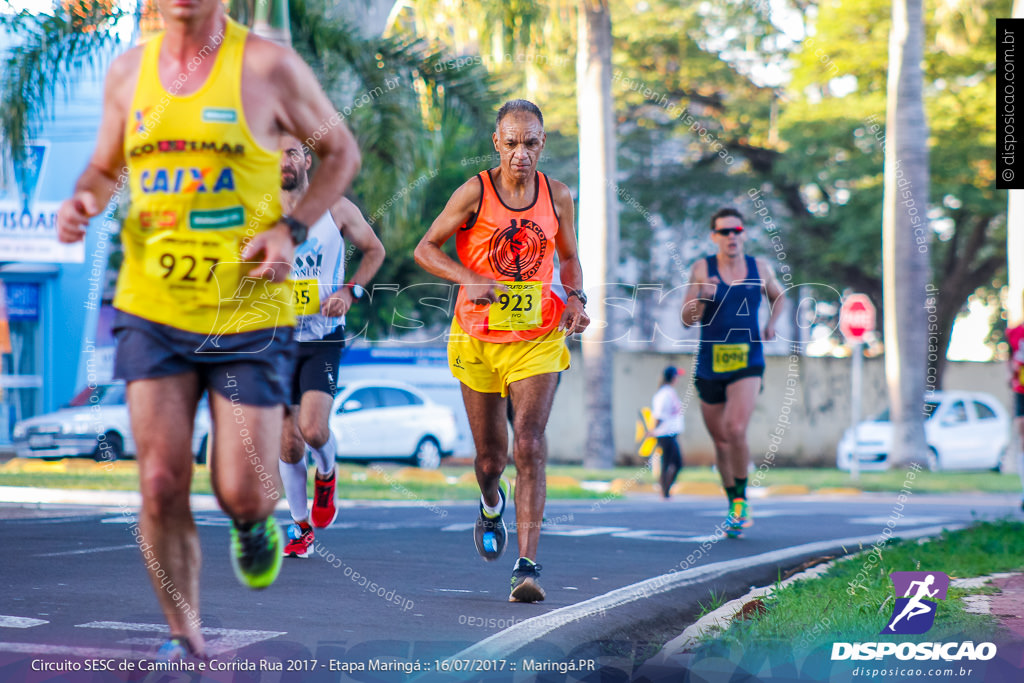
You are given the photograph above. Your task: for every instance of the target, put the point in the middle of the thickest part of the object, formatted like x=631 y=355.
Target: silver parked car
x=964 y=431
x=386 y=420
x=94 y=424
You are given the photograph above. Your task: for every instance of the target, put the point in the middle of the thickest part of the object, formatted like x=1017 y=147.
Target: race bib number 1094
x=730 y=357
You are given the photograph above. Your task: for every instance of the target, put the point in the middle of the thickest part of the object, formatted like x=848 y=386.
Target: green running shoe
x=738 y=518
x=256 y=552
x=526 y=582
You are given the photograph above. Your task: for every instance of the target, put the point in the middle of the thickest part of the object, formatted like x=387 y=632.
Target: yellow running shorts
x=489 y=367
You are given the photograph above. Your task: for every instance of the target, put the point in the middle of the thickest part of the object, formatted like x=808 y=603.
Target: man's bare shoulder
x=699 y=270
x=124 y=70
x=346 y=213
x=560 y=192
x=764 y=266
x=269 y=59
x=468 y=194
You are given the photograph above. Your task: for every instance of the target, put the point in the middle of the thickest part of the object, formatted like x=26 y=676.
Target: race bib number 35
x=730 y=357
x=186 y=263
x=517 y=309
x=306 y=297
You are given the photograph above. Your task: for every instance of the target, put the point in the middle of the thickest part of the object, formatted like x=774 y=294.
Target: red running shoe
x=300 y=540
x=324 y=511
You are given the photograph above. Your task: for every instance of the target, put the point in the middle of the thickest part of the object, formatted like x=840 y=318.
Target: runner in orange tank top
x=508 y=332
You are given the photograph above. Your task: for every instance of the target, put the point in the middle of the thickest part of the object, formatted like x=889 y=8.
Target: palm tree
x=1015 y=235
x=598 y=219
x=52 y=49
x=419 y=114
x=905 y=230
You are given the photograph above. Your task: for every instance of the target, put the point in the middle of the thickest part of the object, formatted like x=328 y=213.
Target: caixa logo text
x=949 y=652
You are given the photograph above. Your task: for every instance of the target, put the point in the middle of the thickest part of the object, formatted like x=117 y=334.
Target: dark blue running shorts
x=255 y=368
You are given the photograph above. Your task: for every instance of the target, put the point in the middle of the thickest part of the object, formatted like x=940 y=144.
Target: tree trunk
x=1015 y=238
x=905 y=233
x=271 y=21
x=598 y=220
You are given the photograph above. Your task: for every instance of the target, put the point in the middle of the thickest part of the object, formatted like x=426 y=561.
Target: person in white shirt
x=667 y=410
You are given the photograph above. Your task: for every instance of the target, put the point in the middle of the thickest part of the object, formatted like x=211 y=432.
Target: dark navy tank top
x=730 y=338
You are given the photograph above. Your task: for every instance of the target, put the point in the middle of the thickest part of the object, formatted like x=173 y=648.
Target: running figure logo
x=913 y=612
x=518 y=250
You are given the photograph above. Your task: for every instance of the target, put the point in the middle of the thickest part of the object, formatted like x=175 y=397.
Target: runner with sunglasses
x=723 y=297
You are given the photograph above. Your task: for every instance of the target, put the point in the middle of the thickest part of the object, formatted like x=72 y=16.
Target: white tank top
x=320 y=259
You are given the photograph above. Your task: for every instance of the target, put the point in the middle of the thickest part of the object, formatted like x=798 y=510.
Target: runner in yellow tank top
x=195 y=116
x=200 y=186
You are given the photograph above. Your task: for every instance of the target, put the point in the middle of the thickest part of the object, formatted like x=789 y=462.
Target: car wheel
x=201 y=455
x=428 y=454
x=110 y=449
x=932 y=460
x=1001 y=465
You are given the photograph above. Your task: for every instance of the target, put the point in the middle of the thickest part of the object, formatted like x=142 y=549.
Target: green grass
x=81 y=474
x=809 y=615
x=355 y=483
x=817 y=478
x=893 y=480
x=715 y=601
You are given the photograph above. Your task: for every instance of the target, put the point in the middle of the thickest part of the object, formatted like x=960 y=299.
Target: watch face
x=357 y=292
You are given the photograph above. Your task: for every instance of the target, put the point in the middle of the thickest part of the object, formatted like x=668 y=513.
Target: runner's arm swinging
x=100 y=179
x=359 y=233
x=776 y=300
x=698 y=293
x=303 y=111
x=429 y=255
x=574 y=318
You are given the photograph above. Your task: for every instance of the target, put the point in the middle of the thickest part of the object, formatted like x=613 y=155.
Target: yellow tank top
x=201 y=187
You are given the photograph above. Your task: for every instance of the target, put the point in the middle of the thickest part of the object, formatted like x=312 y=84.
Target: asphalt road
x=402 y=586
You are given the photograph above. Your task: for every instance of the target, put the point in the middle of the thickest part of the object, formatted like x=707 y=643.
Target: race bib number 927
x=186 y=263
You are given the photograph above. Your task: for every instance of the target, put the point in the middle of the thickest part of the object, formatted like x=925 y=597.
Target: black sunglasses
x=729 y=231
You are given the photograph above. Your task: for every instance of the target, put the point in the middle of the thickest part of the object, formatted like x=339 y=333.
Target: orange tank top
x=516 y=246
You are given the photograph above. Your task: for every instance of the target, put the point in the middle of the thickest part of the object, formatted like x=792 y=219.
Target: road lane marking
x=504 y=644
x=672 y=536
x=20 y=622
x=87 y=551
x=758 y=512
x=618 y=531
x=69 y=651
x=224 y=639
x=583 y=530
x=881 y=521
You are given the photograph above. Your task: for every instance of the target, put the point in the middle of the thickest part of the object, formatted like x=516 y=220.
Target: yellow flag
x=644 y=426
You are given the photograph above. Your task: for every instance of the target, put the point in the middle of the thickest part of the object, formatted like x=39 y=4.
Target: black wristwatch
x=578 y=293
x=298 y=230
x=357 y=290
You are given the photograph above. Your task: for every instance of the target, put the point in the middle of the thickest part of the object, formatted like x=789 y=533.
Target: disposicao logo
x=913 y=614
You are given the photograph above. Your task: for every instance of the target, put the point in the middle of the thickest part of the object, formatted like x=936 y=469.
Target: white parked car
x=94 y=424
x=386 y=420
x=964 y=431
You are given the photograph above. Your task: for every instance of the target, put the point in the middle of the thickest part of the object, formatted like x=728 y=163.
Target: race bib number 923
x=519 y=308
